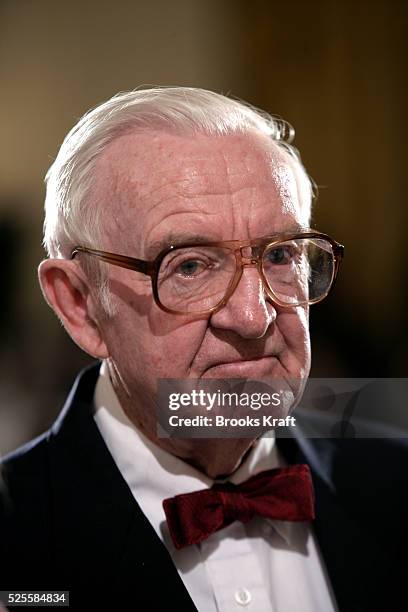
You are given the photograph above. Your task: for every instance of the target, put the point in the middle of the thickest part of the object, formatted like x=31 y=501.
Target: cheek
x=159 y=345
x=294 y=328
x=173 y=352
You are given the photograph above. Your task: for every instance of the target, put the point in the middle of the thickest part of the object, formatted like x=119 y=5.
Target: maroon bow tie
x=284 y=494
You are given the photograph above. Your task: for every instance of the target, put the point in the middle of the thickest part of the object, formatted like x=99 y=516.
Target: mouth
x=262 y=367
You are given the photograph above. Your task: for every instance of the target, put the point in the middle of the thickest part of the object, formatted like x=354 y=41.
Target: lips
x=261 y=367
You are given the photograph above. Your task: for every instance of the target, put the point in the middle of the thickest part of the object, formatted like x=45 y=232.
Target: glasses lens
x=300 y=270
x=195 y=279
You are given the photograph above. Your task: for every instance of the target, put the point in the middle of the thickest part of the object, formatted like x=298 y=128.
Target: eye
x=280 y=255
x=195 y=263
x=190 y=267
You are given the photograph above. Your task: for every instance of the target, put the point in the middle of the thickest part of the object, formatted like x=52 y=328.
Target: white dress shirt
x=258 y=566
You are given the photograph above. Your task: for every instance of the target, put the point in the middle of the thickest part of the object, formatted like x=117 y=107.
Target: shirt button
x=243 y=597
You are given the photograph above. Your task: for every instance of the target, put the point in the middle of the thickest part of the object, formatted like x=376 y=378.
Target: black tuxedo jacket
x=68 y=520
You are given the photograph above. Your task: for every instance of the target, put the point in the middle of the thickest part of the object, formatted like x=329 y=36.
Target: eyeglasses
x=296 y=269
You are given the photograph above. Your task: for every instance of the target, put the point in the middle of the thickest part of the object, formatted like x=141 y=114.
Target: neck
x=217 y=458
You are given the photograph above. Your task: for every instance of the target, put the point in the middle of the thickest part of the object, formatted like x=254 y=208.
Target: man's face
x=159 y=188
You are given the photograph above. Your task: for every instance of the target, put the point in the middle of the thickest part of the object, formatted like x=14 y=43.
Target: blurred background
x=335 y=69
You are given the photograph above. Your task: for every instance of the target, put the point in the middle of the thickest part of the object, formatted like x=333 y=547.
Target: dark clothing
x=68 y=520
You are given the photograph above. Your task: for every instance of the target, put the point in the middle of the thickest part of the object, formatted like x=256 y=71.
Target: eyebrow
x=174 y=239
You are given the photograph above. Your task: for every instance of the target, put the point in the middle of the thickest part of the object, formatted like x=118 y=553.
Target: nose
x=247 y=312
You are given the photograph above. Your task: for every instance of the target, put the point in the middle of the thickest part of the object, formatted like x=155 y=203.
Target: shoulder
x=23 y=475
x=24 y=472
x=367 y=481
x=24 y=509
x=27 y=482
x=374 y=469
x=359 y=453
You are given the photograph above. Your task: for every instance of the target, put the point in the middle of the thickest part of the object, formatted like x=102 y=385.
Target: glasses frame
x=258 y=247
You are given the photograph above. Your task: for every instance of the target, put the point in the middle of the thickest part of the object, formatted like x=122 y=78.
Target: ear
x=66 y=290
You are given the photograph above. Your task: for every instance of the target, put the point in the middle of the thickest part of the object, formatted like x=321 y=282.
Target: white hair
x=72 y=218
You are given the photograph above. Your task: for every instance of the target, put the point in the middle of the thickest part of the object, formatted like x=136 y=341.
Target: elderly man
x=178 y=230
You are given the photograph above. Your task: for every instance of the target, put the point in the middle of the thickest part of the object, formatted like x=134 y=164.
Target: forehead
x=154 y=185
